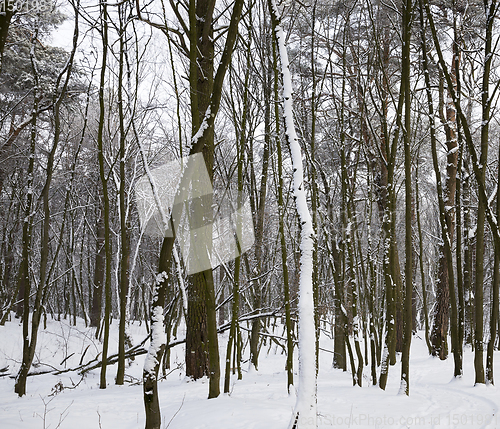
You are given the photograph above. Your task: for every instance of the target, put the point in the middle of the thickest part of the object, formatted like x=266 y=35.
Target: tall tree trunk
x=105 y=194
x=421 y=263
x=386 y=203
x=259 y=227
x=240 y=150
x=124 y=224
x=446 y=235
x=491 y=12
x=313 y=178
x=372 y=291
x=494 y=318
x=458 y=252
x=439 y=336
x=202 y=136
x=405 y=82
x=24 y=277
x=202 y=354
x=281 y=227
x=468 y=277
x=391 y=259
x=349 y=228
x=305 y=407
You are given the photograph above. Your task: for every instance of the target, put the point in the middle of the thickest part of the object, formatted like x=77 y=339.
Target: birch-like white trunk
x=304 y=415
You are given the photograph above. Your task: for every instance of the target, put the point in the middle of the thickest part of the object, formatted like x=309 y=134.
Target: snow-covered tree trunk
x=304 y=415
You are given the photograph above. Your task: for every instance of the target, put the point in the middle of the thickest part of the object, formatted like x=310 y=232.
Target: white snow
x=258 y=401
x=203 y=127
x=157 y=339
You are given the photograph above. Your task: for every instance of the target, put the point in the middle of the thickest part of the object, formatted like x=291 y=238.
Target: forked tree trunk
x=439 y=336
x=201 y=24
x=446 y=236
x=24 y=277
x=392 y=277
x=202 y=355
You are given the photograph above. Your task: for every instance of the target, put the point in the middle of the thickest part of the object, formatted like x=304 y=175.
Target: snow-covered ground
x=259 y=400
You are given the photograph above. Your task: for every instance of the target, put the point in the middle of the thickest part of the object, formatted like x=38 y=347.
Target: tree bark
x=405 y=83
x=305 y=407
x=124 y=223
x=105 y=194
x=281 y=228
x=99 y=269
x=201 y=137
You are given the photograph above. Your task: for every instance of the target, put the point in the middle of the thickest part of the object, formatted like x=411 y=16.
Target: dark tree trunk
x=99 y=271
x=197 y=361
x=123 y=202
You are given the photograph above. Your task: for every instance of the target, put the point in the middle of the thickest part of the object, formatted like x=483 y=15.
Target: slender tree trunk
x=233 y=339
x=421 y=264
x=105 y=194
x=337 y=254
x=24 y=277
x=124 y=224
x=372 y=291
x=348 y=226
x=314 y=186
x=305 y=407
x=259 y=228
x=281 y=216
x=446 y=237
x=491 y=13
x=99 y=269
x=441 y=317
x=468 y=256
x=494 y=319
x=386 y=203
x=460 y=280
x=391 y=258
x=405 y=80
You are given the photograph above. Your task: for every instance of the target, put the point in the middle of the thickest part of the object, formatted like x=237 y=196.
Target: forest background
x=394 y=113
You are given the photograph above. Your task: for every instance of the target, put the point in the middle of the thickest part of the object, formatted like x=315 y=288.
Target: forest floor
x=259 y=400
